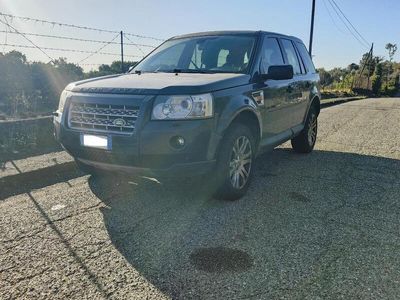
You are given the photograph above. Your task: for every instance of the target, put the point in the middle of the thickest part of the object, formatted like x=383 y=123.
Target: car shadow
x=24 y=182
x=303 y=219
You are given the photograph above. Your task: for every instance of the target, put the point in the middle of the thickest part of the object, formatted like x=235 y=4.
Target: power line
x=331 y=17
x=75 y=39
x=365 y=44
x=140 y=49
x=75 y=26
x=101 y=48
x=6 y=35
x=145 y=37
x=359 y=34
x=34 y=45
x=65 y=50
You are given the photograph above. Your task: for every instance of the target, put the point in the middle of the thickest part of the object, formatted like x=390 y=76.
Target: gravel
x=317 y=226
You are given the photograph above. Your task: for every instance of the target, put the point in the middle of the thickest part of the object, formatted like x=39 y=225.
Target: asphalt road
x=319 y=226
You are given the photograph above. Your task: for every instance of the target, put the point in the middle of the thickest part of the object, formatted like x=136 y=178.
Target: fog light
x=178 y=142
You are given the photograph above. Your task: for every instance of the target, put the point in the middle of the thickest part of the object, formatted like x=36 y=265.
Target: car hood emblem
x=119 y=122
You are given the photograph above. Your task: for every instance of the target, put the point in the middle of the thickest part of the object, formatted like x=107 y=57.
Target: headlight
x=182 y=107
x=63 y=97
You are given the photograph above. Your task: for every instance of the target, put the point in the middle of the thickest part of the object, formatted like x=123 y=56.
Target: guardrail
x=26 y=137
x=334 y=101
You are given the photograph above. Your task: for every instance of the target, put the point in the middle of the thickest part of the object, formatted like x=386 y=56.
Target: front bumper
x=148 y=151
x=175 y=170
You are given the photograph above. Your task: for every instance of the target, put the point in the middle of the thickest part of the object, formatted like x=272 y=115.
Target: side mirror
x=278 y=72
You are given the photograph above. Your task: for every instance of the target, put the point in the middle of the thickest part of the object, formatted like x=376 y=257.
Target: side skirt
x=268 y=144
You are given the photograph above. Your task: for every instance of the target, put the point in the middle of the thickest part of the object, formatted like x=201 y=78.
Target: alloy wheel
x=312 y=130
x=240 y=163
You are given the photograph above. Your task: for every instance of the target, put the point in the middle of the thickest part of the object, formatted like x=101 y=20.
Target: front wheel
x=235 y=163
x=305 y=141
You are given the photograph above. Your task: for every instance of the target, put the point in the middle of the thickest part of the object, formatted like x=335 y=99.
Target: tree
x=114 y=68
x=391 y=48
x=377 y=79
x=353 y=66
x=325 y=77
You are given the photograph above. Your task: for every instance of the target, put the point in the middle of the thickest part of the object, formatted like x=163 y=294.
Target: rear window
x=305 y=56
x=291 y=55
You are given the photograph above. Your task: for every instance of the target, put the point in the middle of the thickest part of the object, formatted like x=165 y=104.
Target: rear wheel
x=305 y=141
x=235 y=163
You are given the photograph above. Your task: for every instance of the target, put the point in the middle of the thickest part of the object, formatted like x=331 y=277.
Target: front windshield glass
x=207 y=54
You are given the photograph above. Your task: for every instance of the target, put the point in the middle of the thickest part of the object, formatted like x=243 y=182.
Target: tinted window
x=270 y=55
x=305 y=56
x=219 y=53
x=170 y=56
x=291 y=55
x=302 y=67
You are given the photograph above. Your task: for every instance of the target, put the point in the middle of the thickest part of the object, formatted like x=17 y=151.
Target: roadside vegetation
x=30 y=89
x=372 y=76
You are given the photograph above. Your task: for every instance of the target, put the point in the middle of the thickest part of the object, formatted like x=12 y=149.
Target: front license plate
x=95 y=141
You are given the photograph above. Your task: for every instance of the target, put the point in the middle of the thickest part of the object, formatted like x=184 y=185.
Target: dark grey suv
x=203 y=103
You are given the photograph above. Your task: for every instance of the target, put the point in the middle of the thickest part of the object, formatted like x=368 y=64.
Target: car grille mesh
x=106 y=118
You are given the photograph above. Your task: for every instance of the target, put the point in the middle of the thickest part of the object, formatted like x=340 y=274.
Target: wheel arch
x=315 y=102
x=247 y=116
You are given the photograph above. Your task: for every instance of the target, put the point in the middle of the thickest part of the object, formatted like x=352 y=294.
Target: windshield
x=207 y=54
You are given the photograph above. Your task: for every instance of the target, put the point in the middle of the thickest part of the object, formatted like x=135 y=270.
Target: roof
x=233 y=32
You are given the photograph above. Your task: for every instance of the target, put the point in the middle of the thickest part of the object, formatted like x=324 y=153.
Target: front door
x=273 y=92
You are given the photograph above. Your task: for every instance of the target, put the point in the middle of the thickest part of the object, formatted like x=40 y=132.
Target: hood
x=160 y=83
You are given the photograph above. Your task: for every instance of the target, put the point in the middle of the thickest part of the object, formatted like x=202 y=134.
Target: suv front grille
x=103 y=117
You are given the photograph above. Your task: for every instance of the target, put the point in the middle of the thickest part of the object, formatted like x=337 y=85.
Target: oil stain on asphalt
x=299 y=197
x=220 y=260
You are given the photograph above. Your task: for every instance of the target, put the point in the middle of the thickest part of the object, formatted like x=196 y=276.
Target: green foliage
x=377 y=79
x=325 y=77
x=30 y=88
x=374 y=75
x=391 y=48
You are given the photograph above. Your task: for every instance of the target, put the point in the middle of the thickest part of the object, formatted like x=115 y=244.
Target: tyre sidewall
x=225 y=190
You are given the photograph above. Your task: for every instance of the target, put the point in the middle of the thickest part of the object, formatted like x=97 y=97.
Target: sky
x=377 y=21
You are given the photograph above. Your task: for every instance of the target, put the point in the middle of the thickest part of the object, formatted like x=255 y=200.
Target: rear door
x=310 y=78
x=296 y=93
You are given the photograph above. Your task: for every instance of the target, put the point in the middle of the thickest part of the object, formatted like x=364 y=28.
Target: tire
x=235 y=163
x=305 y=141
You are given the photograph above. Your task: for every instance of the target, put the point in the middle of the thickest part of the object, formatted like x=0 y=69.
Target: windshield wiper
x=139 y=72
x=191 y=71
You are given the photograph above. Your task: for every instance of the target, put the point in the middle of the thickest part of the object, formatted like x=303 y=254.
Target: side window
x=305 y=56
x=291 y=55
x=302 y=66
x=270 y=54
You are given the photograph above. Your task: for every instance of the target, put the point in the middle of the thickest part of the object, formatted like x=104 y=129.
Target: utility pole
x=369 y=64
x=122 y=52
x=312 y=28
x=367 y=60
